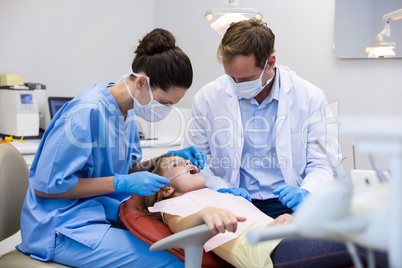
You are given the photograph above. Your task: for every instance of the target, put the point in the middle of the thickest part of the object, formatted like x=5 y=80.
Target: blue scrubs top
x=88 y=138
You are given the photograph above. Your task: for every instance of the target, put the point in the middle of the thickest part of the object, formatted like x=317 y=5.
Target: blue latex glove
x=142 y=183
x=290 y=195
x=236 y=191
x=193 y=153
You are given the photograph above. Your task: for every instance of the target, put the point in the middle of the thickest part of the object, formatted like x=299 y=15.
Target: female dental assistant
x=79 y=176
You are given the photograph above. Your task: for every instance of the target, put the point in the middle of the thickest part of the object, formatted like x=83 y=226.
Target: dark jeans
x=304 y=253
x=272 y=207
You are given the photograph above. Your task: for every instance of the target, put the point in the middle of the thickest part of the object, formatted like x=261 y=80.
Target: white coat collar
x=233 y=103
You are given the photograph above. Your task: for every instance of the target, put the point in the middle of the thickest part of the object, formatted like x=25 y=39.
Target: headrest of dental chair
x=150 y=231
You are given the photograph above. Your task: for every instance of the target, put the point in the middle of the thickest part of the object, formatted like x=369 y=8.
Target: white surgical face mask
x=249 y=89
x=151 y=112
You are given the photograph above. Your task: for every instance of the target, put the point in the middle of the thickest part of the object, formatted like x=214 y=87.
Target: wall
x=304 y=40
x=71 y=45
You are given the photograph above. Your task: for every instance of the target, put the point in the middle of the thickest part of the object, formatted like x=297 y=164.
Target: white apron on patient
x=193 y=202
x=237 y=252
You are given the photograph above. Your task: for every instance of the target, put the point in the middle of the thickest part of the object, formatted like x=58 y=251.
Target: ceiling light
x=230 y=14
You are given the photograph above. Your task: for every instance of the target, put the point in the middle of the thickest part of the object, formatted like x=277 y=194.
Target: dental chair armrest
x=273 y=232
x=191 y=240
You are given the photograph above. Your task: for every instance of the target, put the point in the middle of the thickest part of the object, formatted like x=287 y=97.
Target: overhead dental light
x=229 y=14
x=385 y=49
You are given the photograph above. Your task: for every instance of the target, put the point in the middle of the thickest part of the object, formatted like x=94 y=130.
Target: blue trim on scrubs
x=87 y=138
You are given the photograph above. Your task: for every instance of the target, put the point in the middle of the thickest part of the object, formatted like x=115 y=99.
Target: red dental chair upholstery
x=151 y=230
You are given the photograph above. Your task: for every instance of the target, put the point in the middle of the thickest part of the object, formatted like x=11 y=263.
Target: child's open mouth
x=193 y=170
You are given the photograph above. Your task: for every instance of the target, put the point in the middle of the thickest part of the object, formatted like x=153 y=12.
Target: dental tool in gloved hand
x=142 y=183
x=186 y=170
x=206 y=166
x=199 y=169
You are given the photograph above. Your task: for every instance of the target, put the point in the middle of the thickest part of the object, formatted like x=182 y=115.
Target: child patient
x=185 y=203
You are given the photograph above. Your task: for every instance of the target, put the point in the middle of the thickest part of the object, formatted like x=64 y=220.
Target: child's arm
x=218 y=220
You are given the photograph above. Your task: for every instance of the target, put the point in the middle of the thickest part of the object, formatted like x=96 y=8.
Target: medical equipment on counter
x=18 y=111
x=22 y=107
x=40 y=95
x=55 y=103
x=11 y=80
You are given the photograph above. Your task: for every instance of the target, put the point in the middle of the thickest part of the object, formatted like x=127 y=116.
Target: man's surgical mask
x=151 y=112
x=249 y=89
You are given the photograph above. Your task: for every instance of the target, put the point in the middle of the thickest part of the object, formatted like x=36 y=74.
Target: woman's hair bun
x=157 y=41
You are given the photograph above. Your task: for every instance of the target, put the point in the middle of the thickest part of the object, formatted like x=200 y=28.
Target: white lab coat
x=216 y=127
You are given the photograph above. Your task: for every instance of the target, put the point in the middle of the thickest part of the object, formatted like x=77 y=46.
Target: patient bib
x=194 y=201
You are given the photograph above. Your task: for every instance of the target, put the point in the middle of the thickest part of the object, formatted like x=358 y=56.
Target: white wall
x=70 y=45
x=304 y=39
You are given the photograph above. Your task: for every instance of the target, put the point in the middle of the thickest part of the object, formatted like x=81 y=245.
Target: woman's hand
x=219 y=220
x=284 y=218
x=141 y=183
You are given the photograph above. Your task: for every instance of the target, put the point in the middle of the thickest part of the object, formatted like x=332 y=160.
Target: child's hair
x=149 y=201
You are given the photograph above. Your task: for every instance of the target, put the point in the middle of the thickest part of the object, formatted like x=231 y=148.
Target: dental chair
x=158 y=235
x=13 y=187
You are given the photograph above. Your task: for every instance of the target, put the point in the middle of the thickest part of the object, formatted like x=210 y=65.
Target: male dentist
x=258 y=125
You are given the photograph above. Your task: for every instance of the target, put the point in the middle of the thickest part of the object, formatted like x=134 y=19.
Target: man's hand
x=290 y=195
x=236 y=191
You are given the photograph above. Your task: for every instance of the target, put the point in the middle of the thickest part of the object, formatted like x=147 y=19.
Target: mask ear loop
x=137 y=75
x=149 y=85
x=265 y=66
x=128 y=89
x=150 y=90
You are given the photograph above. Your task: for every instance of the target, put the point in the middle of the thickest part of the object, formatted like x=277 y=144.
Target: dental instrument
x=205 y=164
x=199 y=168
x=354 y=155
x=380 y=174
x=181 y=173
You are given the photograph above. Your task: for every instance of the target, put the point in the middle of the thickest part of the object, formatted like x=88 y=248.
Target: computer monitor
x=55 y=103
